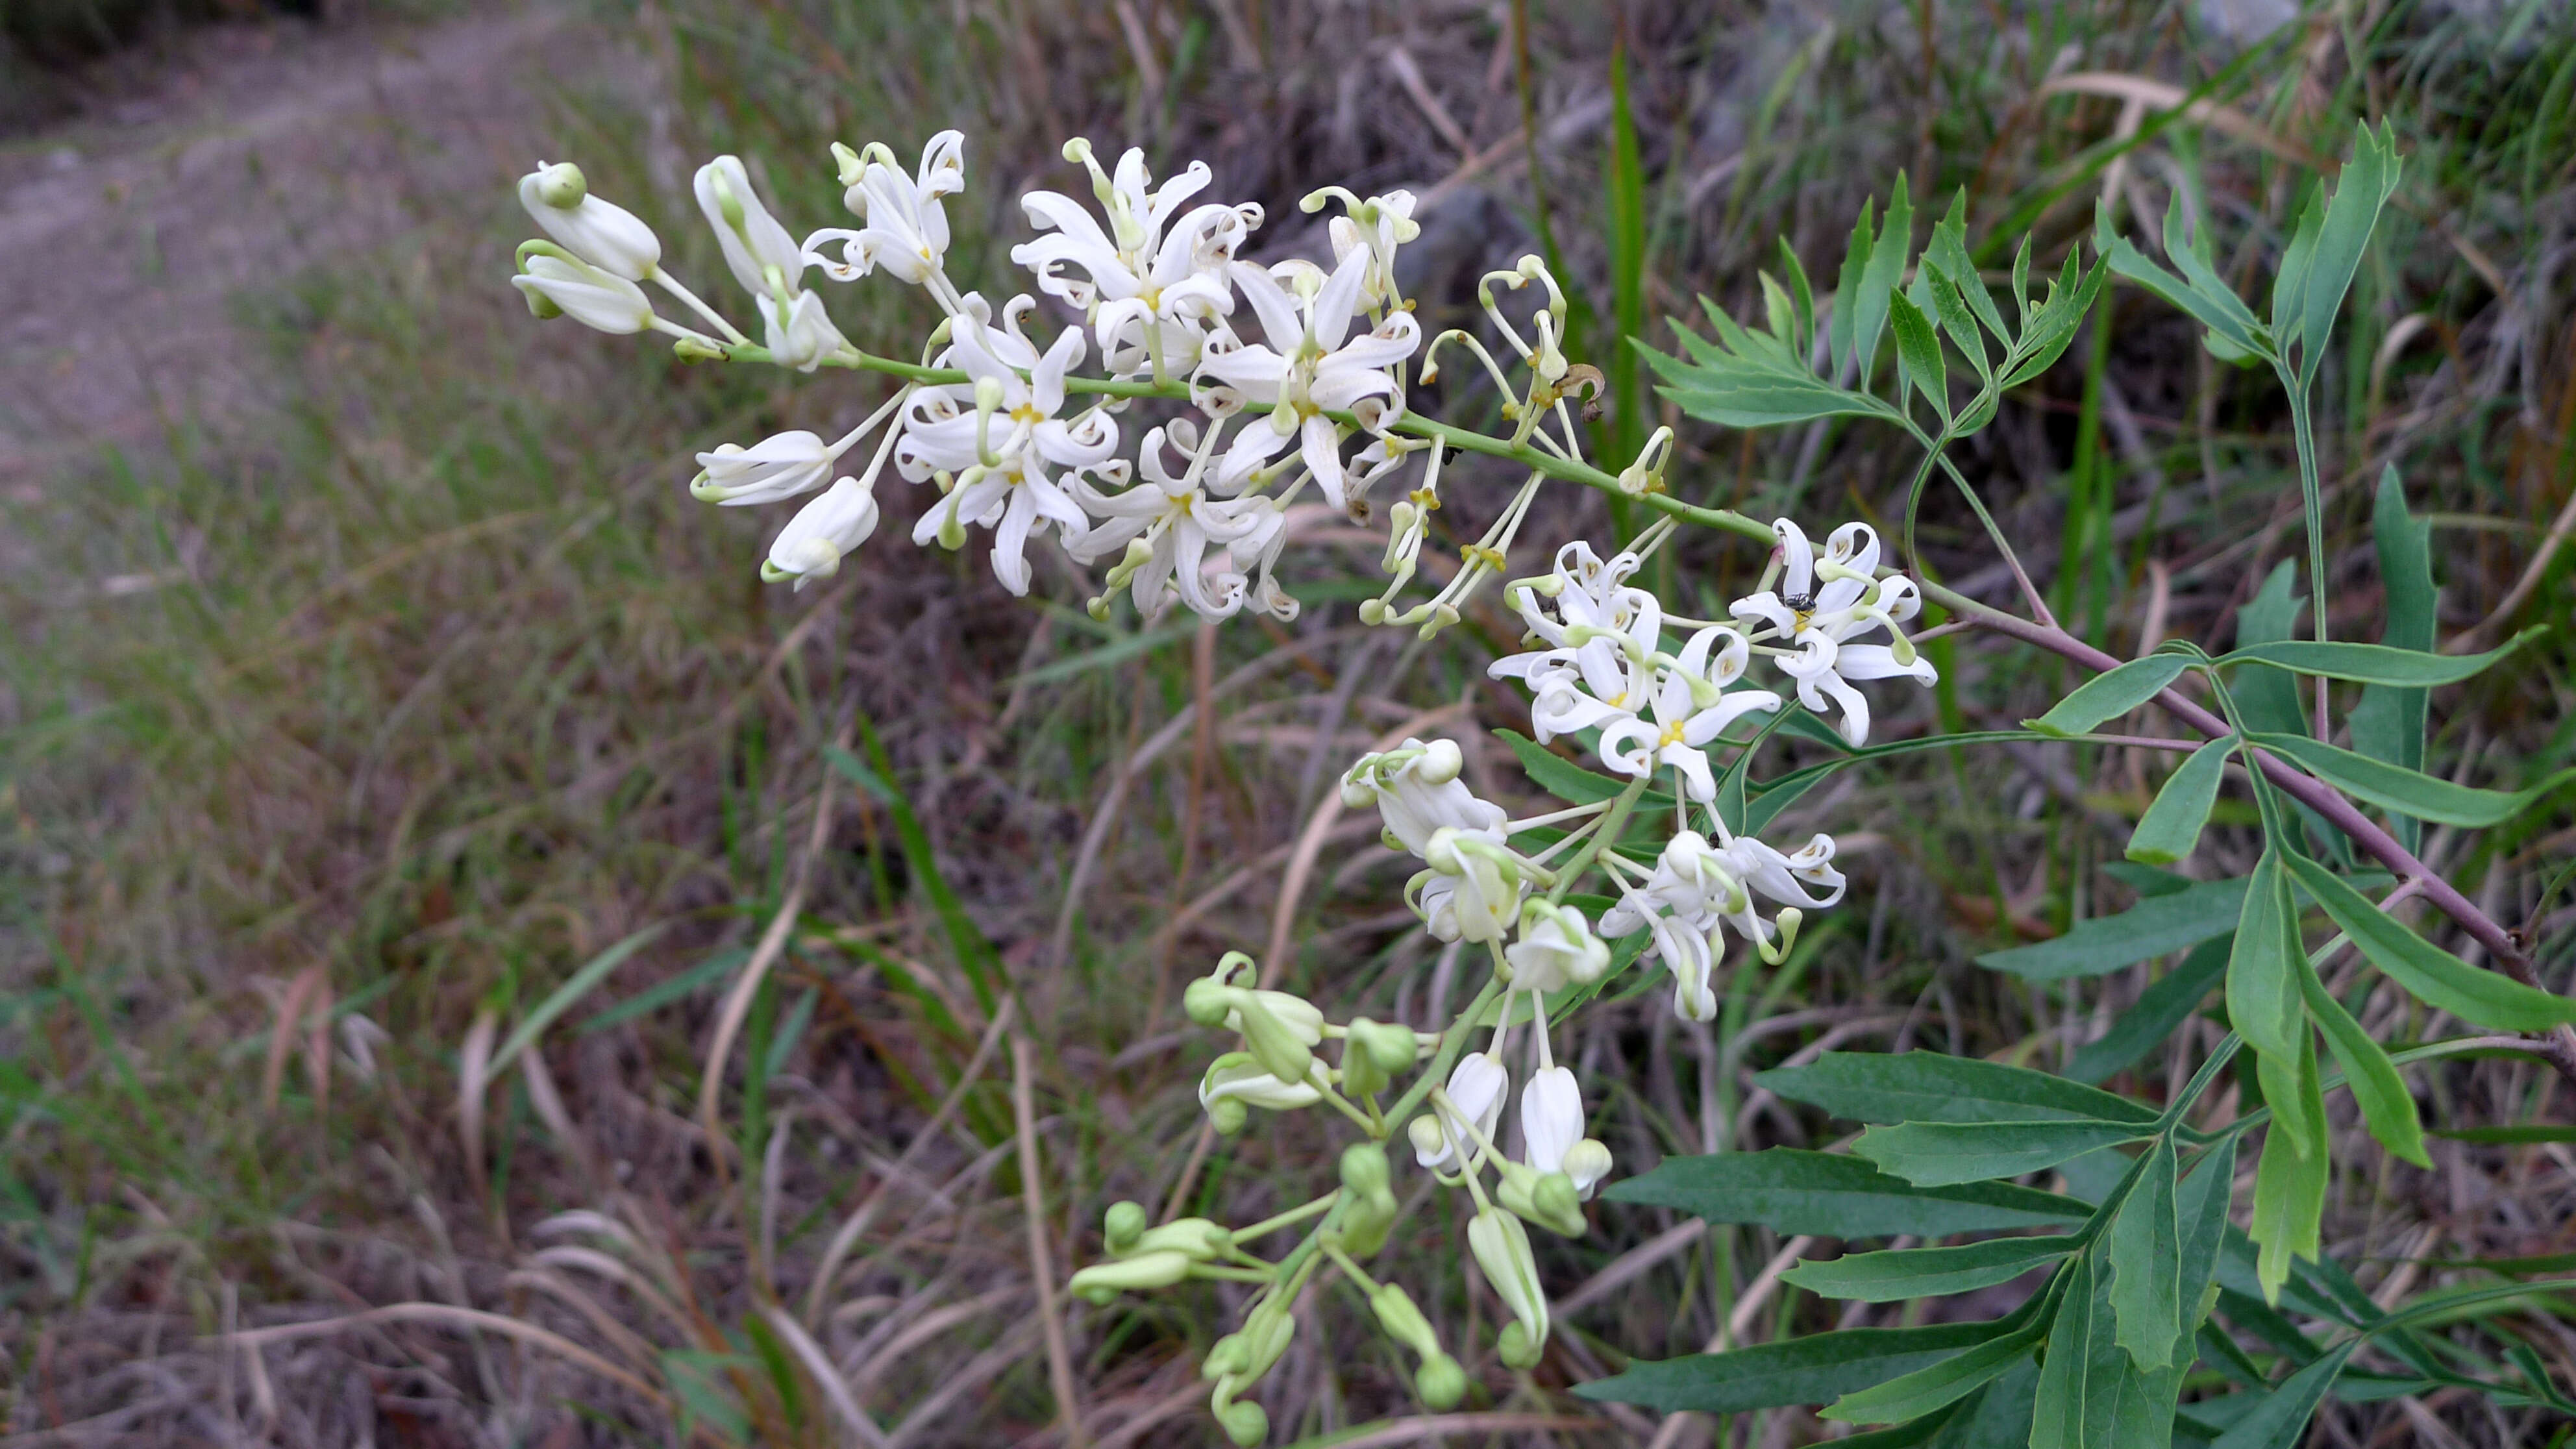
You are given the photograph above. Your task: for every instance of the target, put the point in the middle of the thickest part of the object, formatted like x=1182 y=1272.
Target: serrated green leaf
x=2146 y=1250
x=1937 y=1385
x=2410 y=792
x=2160 y=1008
x=1815 y=1369
x=2374 y=663
x=2170 y=829
x=2280 y=1420
x=1918 y=353
x=2109 y=695
x=1803 y=299
x=1903 y=1273
x=2290 y=278
x=2433 y=975
x=1794 y=1191
x=2051 y=330
x=1924 y=1086
x=2262 y=984
x=2152 y=927
x=1940 y=1154
x=2361 y=191
x=2389 y=723
x=1887 y=254
x=2377 y=1089
x=2216 y=309
x=2290 y=1180
x=1847 y=289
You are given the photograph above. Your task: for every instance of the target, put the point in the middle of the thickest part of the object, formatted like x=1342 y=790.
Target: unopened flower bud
x=1206 y=1002
x=988 y=395
x=1197 y=1239
x=561 y=185
x=1392 y=1046
x=1441 y=1383
x=1364 y=1169
x=1502 y=1251
x=1278 y=1049
x=1122 y=1225
x=1586 y=1163
x=1428 y=1143
x=1517 y=1348
x=1227 y=1115
x=1367 y=1222
x=1102 y=1282
x=1244 y=1423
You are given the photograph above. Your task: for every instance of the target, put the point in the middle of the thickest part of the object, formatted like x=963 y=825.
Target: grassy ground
x=451 y=694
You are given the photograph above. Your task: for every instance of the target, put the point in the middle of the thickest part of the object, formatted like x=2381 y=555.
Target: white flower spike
x=1825 y=602
x=1309 y=367
x=592 y=296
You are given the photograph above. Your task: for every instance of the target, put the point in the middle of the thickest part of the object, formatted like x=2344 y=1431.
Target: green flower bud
x=1517 y=1348
x=1199 y=1239
x=1227 y=1115
x=1279 y=1050
x=1366 y=1223
x=1441 y=1382
x=1227 y=1357
x=1360 y=1074
x=1392 y=1046
x=1527 y=1195
x=562 y=186
x=1364 y=1168
x=540 y=306
x=1122 y=1225
x=1101 y=1282
x=1206 y=1002
x=1244 y=1423
x=1404 y=1322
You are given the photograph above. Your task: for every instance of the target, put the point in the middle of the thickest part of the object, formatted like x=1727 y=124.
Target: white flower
x=1599 y=667
x=1307 y=368
x=1418 y=793
x=1157 y=273
x=781 y=465
x=1472 y=892
x=589 y=295
x=998 y=435
x=1690 y=711
x=1696 y=889
x=1557 y=949
x=801 y=334
x=1551 y=1118
x=755 y=245
x=1377 y=225
x=903 y=225
x=1165 y=526
x=1475 y=1092
x=813 y=543
x=601 y=233
x=1819 y=619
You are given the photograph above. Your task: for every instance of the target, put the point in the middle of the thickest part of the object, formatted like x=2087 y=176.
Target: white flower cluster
x=1021 y=446
x=1018 y=440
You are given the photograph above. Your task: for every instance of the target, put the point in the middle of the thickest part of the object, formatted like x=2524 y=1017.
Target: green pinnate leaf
x=2374 y=663
x=2376 y=1087
x=1922 y=1086
x=2435 y=976
x=1918 y=353
x=1814 y=1369
x=2409 y=792
x=1893 y=1276
x=1939 y=1154
x=2109 y=695
x=2152 y=927
x=2170 y=829
x=2146 y=1252
x=1795 y=1191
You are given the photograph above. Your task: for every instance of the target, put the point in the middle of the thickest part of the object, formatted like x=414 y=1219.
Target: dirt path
x=126 y=236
